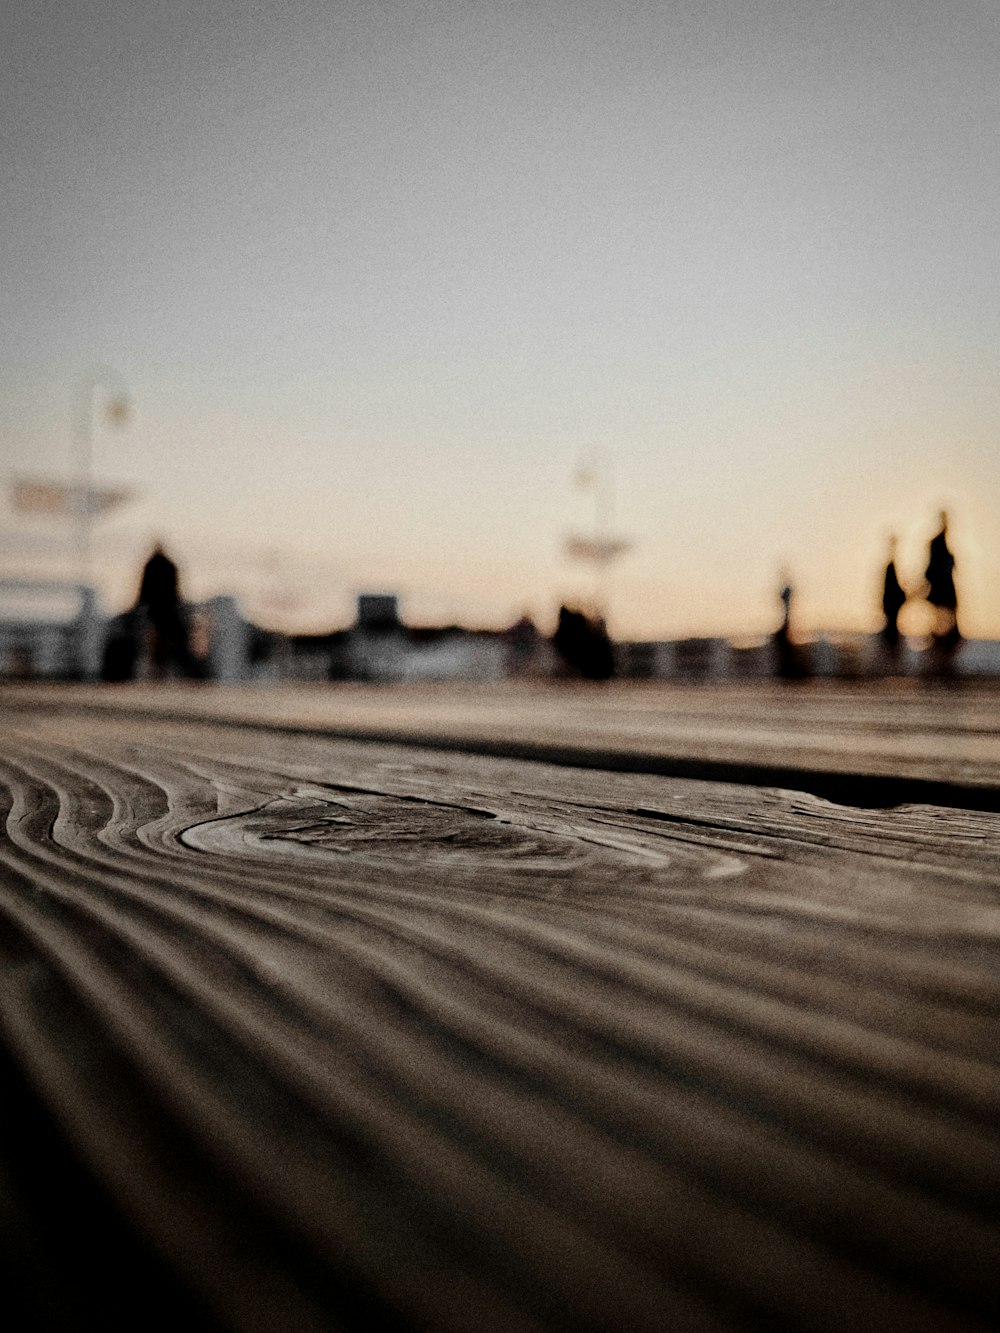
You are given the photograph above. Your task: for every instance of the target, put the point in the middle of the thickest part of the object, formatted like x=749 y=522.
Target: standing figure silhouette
x=893 y=601
x=789 y=662
x=159 y=596
x=942 y=594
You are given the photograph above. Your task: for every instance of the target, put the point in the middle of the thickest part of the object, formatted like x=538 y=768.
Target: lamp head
x=118 y=409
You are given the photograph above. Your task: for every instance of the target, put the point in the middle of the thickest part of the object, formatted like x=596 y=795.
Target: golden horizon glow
x=378 y=279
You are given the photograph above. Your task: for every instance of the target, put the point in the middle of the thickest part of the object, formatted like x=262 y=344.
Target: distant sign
x=60 y=499
x=598 y=550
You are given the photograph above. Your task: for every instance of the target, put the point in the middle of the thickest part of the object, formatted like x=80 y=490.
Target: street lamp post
x=603 y=547
x=117 y=411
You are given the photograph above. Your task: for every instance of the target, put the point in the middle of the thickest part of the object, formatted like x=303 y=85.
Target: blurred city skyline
x=377 y=277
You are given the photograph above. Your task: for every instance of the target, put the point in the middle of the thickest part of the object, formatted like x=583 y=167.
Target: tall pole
x=100 y=377
x=602 y=547
x=596 y=473
x=604 y=522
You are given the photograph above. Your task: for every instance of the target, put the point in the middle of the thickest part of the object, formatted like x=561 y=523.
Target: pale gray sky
x=377 y=274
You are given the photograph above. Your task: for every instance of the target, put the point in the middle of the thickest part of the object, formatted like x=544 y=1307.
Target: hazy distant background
x=377 y=274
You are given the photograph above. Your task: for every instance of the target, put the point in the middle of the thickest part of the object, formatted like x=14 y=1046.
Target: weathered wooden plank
x=897 y=741
x=347 y=1032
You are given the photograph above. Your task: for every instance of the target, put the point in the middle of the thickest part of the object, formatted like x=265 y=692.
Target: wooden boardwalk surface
x=305 y=1033
x=905 y=731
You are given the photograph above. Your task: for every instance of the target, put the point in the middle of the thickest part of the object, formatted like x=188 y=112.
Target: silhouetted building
x=376 y=644
x=523 y=642
x=378 y=613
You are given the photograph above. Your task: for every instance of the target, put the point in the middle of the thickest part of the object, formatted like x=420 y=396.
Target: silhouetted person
x=600 y=662
x=584 y=645
x=159 y=597
x=570 y=638
x=789 y=663
x=942 y=594
x=522 y=646
x=893 y=601
x=121 y=649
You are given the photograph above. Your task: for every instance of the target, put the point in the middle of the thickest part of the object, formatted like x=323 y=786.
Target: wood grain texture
x=311 y=1034
x=895 y=741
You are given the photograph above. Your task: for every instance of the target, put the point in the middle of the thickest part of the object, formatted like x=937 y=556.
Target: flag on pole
x=598 y=550
x=60 y=499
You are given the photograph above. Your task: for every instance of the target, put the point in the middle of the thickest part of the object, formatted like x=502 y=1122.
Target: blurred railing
x=52 y=629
